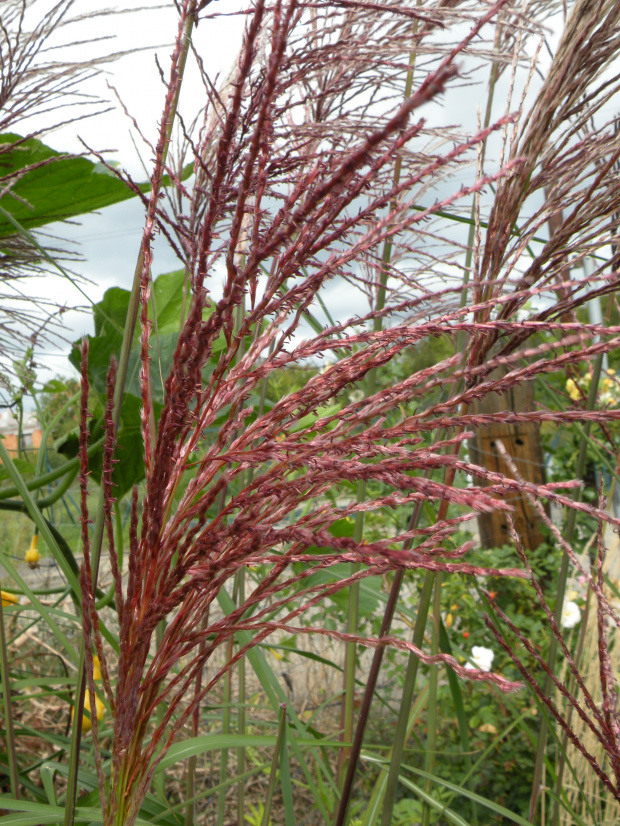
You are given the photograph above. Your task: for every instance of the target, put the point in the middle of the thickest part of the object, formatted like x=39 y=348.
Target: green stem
x=358 y=535
x=431 y=740
x=241 y=715
x=8 y=709
x=47 y=532
x=221 y=798
x=407 y=698
x=160 y=778
x=569 y=532
x=54 y=496
x=119 y=389
x=274 y=767
x=47 y=478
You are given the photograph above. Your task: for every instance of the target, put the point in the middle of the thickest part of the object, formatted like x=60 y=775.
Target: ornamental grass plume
x=294 y=189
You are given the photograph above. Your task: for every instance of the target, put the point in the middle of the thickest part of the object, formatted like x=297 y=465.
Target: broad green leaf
x=109 y=316
x=311 y=419
x=54 y=386
x=59 y=189
x=168 y=296
x=24 y=468
x=129 y=469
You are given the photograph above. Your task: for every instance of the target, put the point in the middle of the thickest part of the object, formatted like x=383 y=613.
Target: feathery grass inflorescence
x=294 y=190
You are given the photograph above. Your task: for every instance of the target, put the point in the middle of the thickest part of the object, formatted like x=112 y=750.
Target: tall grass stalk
x=370 y=389
x=569 y=533
x=11 y=752
x=178 y=62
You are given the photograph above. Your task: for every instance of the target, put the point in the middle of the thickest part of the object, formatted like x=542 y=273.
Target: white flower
x=481 y=658
x=570 y=614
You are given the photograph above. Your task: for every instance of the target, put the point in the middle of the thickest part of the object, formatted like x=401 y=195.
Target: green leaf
x=483 y=801
x=168 y=295
x=24 y=468
x=109 y=316
x=285 y=781
x=343 y=527
x=276 y=696
x=59 y=189
x=212 y=742
x=215 y=742
x=47 y=778
x=54 y=386
x=129 y=469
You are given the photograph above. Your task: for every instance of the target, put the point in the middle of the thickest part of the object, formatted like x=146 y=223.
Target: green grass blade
x=274 y=768
x=459 y=705
x=212 y=742
x=407 y=698
x=461 y=790
x=430 y=802
x=47 y=778
x=285 y=780
x=276 y=696
x=8 y=708
x=373 y=810
x=44 y=611
x=40 y=522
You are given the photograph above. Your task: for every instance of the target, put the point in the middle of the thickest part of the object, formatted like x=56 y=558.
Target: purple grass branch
x=598 y=513
x=555 y=629
x=527 y=676
x=606 y=676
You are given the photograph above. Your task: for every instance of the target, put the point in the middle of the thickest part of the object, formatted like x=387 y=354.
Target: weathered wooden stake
x=522 y=443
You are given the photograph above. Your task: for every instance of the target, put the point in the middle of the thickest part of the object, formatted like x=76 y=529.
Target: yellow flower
x=86 y=719
x=8 y=599
x=32 y=554
x=96 y=668
x=611 y=372
x=449 y=620
x=573 y=390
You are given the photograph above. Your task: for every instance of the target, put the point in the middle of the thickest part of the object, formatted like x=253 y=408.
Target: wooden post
x=522 y=443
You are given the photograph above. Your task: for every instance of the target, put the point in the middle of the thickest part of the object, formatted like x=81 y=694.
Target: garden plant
x=260 y=481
